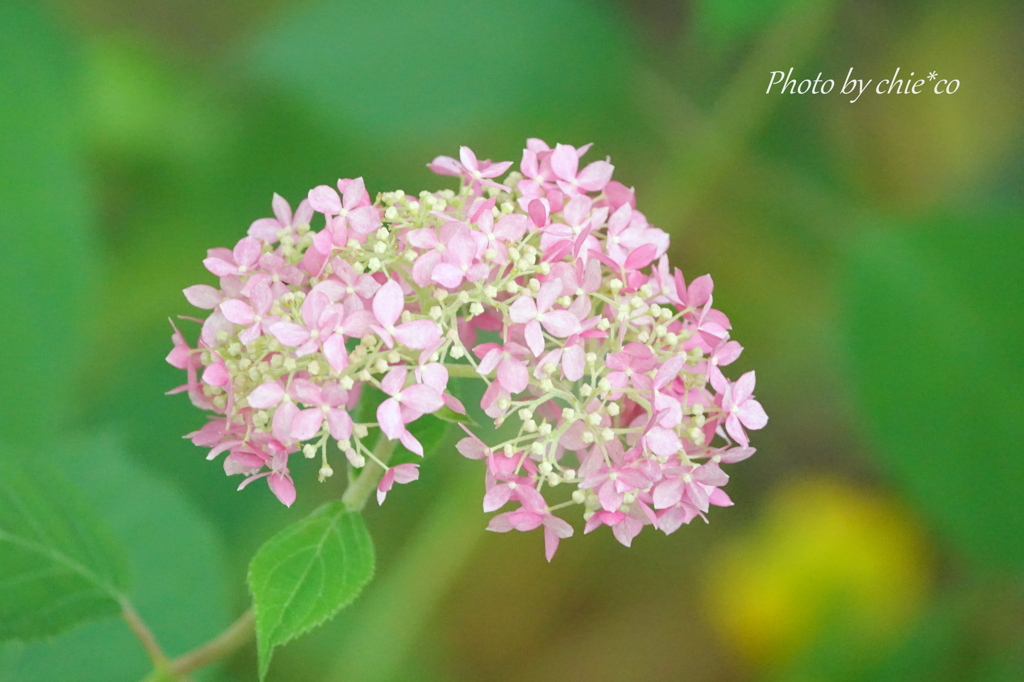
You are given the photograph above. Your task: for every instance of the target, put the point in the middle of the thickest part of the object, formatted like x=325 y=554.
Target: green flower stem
x=462 y=371
x=145 y=635
x=221 y=646
x=388 y=620
x=360 y=488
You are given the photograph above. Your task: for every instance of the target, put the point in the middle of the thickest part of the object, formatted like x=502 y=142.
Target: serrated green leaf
x=59 y=565
x=934 y=328
x=306 y=573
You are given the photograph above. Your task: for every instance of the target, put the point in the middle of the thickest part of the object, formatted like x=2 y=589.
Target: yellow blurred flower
x=825 y=553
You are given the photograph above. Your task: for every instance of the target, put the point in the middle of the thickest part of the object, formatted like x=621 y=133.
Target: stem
x=360 y=489
x=149 y=643
x=462 y=371
x=221 y=646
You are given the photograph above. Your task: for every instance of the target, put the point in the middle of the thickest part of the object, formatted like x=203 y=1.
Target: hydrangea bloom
x=600 y=362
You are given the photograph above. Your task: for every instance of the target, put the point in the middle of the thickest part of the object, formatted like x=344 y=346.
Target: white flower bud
x=309 y=450
x=594 y=419
x=360 y=431
x=587 y=437
x=568 y=474
x=612 y=409
x=325 y=472
x=457 y=352
x=579 y=497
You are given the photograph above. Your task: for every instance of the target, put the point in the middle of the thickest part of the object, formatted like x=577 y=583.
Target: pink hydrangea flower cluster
x=602 y=365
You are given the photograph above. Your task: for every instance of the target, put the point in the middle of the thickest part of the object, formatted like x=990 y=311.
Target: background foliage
x=869 y=256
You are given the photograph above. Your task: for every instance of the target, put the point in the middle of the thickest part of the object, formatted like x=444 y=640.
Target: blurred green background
x=870 y=256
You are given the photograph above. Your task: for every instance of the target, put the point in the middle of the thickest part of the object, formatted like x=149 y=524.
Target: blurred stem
x=390 y=618
x=359 y=490
x=145 y=635
x=704 y=156
x=462 y=371
x=221 y=646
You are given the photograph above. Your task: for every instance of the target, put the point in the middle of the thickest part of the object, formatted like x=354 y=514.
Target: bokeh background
x=869 y=255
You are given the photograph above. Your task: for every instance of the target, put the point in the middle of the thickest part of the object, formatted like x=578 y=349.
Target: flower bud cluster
x=603 y=363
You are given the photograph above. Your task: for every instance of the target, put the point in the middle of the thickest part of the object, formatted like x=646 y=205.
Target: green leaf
x=180 y=584
x=935 y=328
x=306 y=573
x=59 y=565
x=49 y=260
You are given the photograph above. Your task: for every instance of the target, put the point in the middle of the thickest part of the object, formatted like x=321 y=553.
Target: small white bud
x=529 y=426
x=612 y=409
x=594 y=419
x=587 y=437
x=360 y=430
x=554 y=479
x=568 y=414
x=325 y=472
x=579 y=497
x=457 y=352
x=309 y=450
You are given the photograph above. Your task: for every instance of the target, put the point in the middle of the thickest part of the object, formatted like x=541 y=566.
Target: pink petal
x=306 y=423
x=422 y=398
x=219 y=267
x=561 y=323
x=513 y=375
x=216 y=375
x=336 y=353
x=668 y=493
x=447 y=275
x=237 y=311
x=574 y=362
x=324 y=199
x=364 y=220
x=386 y=481
x=406 y=473
x=743 y=388
x=753 y=415
x=282 y=424
x=389 y=417
x=282 y=210
x=266 y=395
x=595 y=176
x=247 y=251
x=699 y=291
x=388 y=303
x=283 y=487
x=394 y=380
x=340 y=423
x=524 y=309
x=290 y=334
x=564 y=162
x=535 y=338
x=203 y=296
x=418 y=333
x=496 y=497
